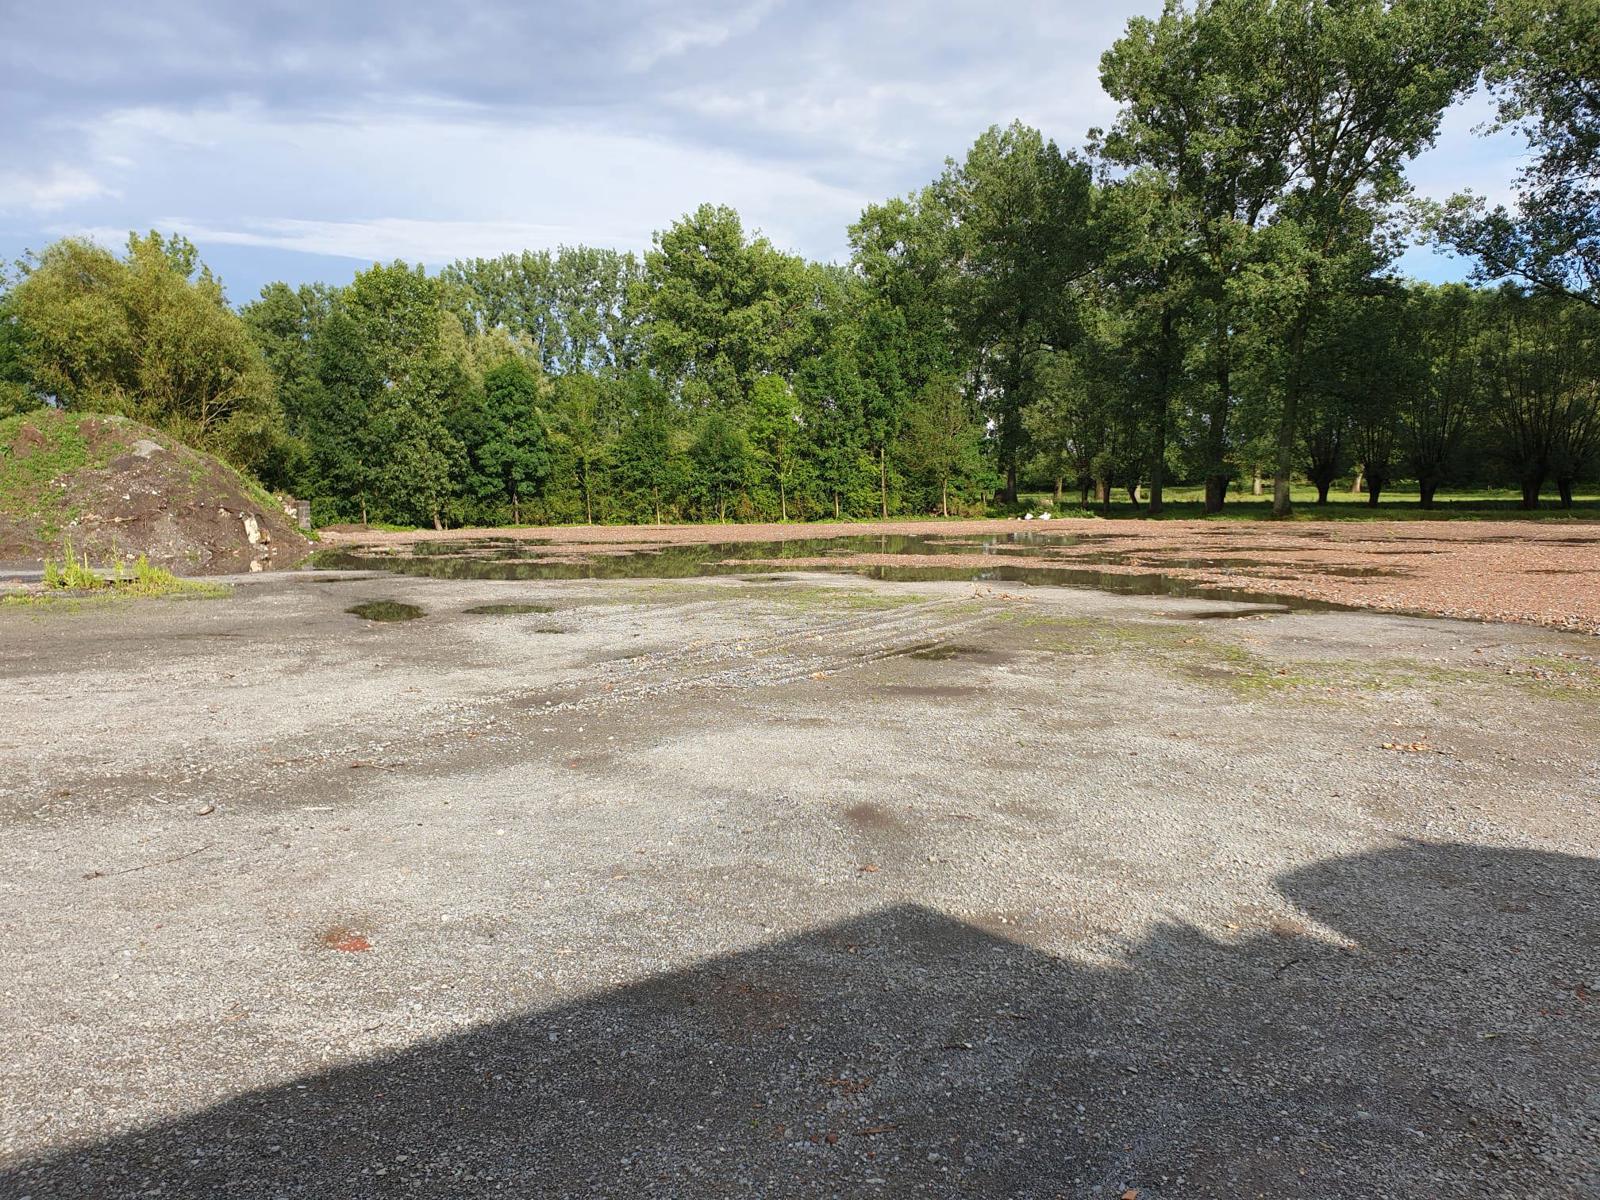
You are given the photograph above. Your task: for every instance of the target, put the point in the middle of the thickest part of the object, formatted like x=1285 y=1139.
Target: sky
x=303 y=141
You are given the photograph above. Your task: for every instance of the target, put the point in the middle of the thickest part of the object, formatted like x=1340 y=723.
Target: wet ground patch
x=385 y=610
x=931 y=691
x=867 y=817
x=1226 y=614
x=945 y=651
x=1020 y=558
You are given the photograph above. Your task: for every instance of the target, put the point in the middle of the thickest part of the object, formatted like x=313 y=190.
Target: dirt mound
x=117 y=489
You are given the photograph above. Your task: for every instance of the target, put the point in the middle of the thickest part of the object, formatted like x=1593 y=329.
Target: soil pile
x=116 y=489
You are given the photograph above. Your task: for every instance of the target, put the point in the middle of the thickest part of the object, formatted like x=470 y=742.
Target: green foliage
x=942 y=456
x=720 y=309
x=1543 y=67
x=1204 y=297
x=148 y=336
x=34 y=451
x=723 y=465
x=510 y=450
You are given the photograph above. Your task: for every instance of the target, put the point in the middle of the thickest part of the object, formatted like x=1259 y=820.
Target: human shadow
x=1428 y=1029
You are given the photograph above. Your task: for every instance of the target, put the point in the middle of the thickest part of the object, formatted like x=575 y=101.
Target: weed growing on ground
x=70 y=576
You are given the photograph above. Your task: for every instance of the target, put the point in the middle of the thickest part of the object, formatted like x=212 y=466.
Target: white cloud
x=443 y=134
x=433 y=185
x=652 y=46
x=380 y=239
x=55 y=188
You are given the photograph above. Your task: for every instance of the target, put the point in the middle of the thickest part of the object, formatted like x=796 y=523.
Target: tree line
x=1204 y=293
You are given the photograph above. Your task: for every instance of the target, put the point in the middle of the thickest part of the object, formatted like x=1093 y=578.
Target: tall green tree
x=513 y=448
x=722 y=463
x=646 y=453
x=943 y=445
x=1359 y=88
x=1199 y=113
x=1543 y=70
x=412 y=371
x=1437 y=415
x=583 y=436
x=720 y=309
x=150 y=336
x=1021 y=241
x=777 y=428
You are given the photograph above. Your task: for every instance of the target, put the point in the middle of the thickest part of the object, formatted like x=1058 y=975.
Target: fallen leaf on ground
x=868 y=868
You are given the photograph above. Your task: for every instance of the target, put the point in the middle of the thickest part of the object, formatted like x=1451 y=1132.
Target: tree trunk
x=437 y=524
x=1158 y=447
x=1059 y=482
x=783 y=500
x=944 y=496
x=516 y=508
x=1564 y=487
x=1375 y=487
x=363 y=510
x=1289 y=420
x=1216 y=492
x=836 y=506
x=1135 y=492
x=1322 y=491
x=1217 y=433
x=1084 y=485
x=1530 y=491
x=1361 y=474
x=1255 y=486
x=1103 y=493
x=655 y=496
x=1427 y=487
x=883 y=484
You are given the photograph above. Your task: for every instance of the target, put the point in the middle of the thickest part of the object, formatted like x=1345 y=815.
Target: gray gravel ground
x=816 y=887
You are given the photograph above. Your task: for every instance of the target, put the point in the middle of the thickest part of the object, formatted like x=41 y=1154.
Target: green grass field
x=1471 y=504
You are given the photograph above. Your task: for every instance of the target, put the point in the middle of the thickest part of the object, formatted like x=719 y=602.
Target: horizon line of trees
x=1204 y=294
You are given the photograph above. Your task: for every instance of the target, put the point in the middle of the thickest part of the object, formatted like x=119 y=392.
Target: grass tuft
x=70 y=577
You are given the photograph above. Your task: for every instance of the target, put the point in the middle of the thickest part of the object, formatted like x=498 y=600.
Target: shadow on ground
x=1452 y=1051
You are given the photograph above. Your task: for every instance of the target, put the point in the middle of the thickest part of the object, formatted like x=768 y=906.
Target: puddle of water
x=507 y=559
x=508 y=610
x=1228 y=614
x=1154 y=584
x=945 y=651
x=385 y=610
